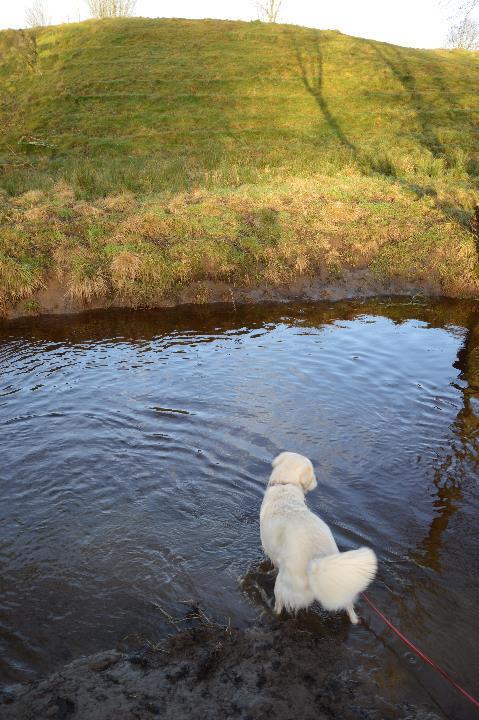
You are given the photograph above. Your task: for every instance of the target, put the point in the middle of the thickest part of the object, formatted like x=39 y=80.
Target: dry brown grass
x=127 y=270
x=35 y=214
x=86 y=290
x=63 y=191
x=29 y=198
x=87 y=210
x=140 y=279
x=121 y=202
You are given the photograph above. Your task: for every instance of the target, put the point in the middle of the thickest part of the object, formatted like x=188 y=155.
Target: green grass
x=139 y=155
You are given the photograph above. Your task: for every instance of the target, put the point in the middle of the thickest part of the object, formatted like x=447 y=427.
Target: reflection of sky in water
x=135 y=453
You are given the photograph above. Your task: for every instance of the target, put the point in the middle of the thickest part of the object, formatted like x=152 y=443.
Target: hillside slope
x=271 y=150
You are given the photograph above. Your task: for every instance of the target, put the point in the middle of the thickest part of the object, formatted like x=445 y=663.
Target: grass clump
x=19 y=279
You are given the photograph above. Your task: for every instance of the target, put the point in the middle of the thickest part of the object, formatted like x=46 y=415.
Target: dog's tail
x=337 y=579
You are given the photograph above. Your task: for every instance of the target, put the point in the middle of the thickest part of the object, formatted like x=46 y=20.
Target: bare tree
x=111 y=8
x=464 y=29
x=268 y=10
x=465 y=7
x=460 y=8
x=465 y=34
x=36 y=14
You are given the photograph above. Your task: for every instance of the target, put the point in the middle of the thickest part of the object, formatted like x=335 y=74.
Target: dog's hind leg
x=278 y=596
x=352 y=615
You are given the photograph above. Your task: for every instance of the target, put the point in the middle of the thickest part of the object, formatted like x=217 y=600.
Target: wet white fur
x=302 y=546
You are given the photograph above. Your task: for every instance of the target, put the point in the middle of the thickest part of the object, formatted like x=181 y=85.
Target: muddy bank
x=212 y=672
x=54 y=299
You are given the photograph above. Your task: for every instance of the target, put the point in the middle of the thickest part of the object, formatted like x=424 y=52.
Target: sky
x=414 y=23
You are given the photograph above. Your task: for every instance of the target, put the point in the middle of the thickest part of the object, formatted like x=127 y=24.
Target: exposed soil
x=280 y=672
x=54 y=300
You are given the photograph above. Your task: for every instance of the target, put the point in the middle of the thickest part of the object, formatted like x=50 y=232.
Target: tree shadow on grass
x=311 y=68
x=395 y=59
x=310 y=62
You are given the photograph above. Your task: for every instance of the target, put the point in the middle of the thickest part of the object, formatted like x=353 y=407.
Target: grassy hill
x=140 y=155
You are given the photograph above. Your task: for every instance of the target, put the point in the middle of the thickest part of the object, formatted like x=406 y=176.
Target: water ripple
x=136 y=447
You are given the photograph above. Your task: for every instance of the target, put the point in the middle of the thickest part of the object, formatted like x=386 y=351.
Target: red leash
x=420 y=653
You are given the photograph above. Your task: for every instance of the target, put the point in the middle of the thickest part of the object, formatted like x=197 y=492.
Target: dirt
x=211 y=672
x=53 y=299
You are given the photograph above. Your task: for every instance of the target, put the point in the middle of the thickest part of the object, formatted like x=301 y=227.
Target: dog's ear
x=307 y=478
x=280 y=458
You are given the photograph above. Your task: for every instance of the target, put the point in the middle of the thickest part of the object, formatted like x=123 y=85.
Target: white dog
x=302 y=546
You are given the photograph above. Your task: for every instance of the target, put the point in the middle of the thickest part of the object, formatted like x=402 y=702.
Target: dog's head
x=294 y=469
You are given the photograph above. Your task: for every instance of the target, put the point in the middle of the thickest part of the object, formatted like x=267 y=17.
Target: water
x=135 y=449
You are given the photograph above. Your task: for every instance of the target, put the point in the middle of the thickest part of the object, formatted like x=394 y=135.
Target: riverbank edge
x=276 y=670
x=53 y=298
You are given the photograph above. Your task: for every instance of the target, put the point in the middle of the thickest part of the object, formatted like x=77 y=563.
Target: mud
x=53 y=299
x=280 y=671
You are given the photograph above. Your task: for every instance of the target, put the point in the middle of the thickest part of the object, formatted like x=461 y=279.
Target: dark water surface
x=135 y=449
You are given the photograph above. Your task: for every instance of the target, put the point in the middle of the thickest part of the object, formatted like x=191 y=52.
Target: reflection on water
x=135 y=449
x=459 y=465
